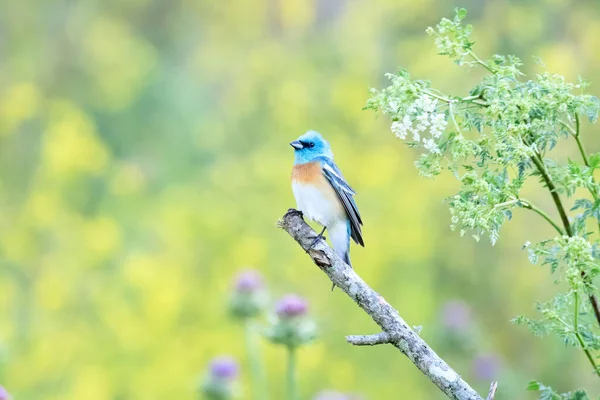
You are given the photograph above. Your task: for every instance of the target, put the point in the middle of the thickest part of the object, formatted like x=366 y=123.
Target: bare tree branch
x=492 y=393
x=369 y=340
x=404 y=338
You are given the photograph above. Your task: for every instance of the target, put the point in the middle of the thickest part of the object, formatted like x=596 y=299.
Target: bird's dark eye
x=309 y=145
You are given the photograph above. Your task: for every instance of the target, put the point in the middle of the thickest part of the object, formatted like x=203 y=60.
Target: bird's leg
x=319 y=237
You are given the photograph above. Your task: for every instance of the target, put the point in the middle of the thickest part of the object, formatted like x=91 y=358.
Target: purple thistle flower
x=456 y=315
x=224 y=367
x=333 y=395
x=290 y=306
x=486 y=367
x=292 y=327
x=248 y=281
x=330 y=395
x=4 y=395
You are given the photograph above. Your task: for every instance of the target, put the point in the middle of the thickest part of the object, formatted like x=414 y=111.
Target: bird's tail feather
x=347 y=261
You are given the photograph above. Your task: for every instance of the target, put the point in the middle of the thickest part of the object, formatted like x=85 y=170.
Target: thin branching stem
x=578 y=334
x=569 y=127
x=468 y=99
x=292 y=388
x=581 y=148
x=480 y=61
x=594 y=193
x=539 y=163
x=586 y=161
x=451 y=111
x=436 y=96
x=530 y=206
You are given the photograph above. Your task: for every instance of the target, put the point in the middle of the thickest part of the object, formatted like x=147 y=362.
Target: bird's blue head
x=309 y=146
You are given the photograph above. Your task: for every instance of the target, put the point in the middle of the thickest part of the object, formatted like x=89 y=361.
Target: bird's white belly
x=316 y=204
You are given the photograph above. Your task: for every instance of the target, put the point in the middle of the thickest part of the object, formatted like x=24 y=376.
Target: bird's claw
x=315 y=242
x=317 y=238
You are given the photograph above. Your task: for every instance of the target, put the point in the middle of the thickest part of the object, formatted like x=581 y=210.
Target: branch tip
x=369 y=340
x=492 y=393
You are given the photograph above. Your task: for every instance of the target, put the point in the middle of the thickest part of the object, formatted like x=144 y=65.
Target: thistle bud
x=291 y=326
x=486 y=367
x=291 y=306
x=456 y=316
x=249 y=296
x=458 y=331
x=333 y=395
x=4 y=395
x=220 y=381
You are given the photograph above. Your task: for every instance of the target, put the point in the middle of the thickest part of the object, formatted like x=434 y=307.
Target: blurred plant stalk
x=248 y=301
x=259 y=378
x=292 y=328
x=292 y=390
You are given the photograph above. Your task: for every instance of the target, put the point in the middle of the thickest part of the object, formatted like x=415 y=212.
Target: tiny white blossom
x=431 y=146
x=399 y=129
x=438 y=125
x=419 y=117
x=427 y=104
x=423 y=119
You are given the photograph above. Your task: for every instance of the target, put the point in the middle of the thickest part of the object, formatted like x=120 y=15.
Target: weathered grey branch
x=404 y=338
x=369 y=340
x=492 y=392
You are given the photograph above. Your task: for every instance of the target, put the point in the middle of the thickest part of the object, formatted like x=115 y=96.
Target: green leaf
x=533 y=257
x=579 y=395
x=461 y=13
x=594 y=160
x=534 y=385
x=582 y=203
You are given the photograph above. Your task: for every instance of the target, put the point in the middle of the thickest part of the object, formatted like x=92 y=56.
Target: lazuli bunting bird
x=323 y=195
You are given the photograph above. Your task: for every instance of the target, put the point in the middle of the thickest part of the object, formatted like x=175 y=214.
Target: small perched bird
x=323 y=195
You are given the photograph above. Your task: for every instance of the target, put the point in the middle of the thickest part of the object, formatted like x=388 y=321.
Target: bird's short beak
x=296 y=144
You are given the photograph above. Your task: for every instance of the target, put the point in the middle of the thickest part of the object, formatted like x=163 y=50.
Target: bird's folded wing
x=345 y=193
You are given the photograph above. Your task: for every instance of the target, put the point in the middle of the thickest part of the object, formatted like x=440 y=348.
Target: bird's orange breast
x=306 y=173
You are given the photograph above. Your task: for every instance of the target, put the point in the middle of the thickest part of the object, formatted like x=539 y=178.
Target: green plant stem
x=594 y=193
x=580 y=146
x=569 y=127
x=539 y=163
x=475 y=100
x=583 y=155
x=469 y=99
x=259 y=383
x=537 y=160
x=586 y=161
x=530 y=206
x=480 y=61
x=579 y=336
x=436 y=96
x=451 y=111
x=292 y=391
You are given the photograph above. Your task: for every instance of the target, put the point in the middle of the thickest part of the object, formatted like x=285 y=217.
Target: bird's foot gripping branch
x=395 y=331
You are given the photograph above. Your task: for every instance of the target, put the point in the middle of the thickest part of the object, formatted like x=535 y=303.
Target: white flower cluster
x=419 y=117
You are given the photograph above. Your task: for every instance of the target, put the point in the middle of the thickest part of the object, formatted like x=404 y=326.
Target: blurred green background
x=144 y=160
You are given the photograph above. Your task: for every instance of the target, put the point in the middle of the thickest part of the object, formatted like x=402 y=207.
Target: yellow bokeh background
x=144 y=160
